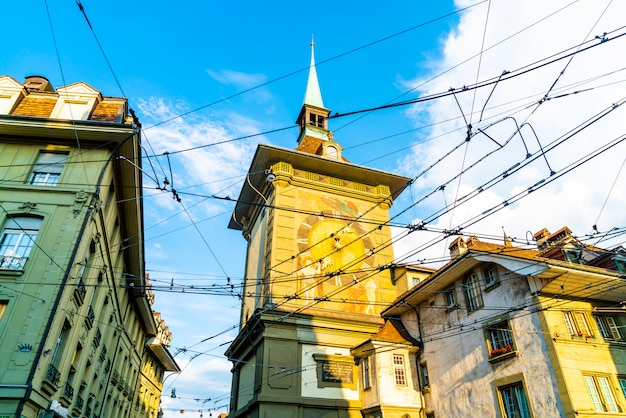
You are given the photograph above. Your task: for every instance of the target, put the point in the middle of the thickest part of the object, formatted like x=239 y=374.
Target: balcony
x=80 y=292
x=96 y=340
x=91 y=316
x=79 y=403
x=50 y=383
x=11 y=262
x=115 y=377
x=68 y=392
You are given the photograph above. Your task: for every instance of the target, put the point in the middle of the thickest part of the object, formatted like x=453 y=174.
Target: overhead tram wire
x=470 y=58
x=351 y=51
x=489 y=82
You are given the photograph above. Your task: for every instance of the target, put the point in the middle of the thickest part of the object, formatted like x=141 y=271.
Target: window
x=608 y=326
x=491 y=275
x=424 y=375
x=620 y=263
x=473 y=297
x=366 y=373
x=398 y=370
x=450 y=297
x=59 y=348
x=47 y=170
x=601 y=394
x=74 y=110
x=573 y=256
x=576 y=323
x=622 y=384
x=331 y=152
x=3 y=308
x=499 y=339
x=514 y=401
x=17 y=240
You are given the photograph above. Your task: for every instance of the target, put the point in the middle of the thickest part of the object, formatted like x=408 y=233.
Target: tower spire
x=313 y=94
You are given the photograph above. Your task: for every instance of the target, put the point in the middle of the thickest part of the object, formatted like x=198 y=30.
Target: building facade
x=317 y=231
x=505 y=331
x=78 y=336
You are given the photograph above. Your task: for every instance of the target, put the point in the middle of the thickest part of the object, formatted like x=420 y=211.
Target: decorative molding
x=79 y=201
x=27 y=207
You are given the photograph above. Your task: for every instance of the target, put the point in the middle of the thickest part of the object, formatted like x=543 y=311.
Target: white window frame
x=609 y=327
x=399 y=370
x=367 y=378
x=577 y=323
x=491 y=275
x=472 y=291
x=601 y=393
x=449 y=296
x=17 y=240
x=500 y=338
x=47 y=169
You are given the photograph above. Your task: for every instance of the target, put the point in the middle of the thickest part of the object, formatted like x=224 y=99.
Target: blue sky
x=235 y=70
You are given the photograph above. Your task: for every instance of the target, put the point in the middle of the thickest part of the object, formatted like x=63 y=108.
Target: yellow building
x=315 y=277
x=75 y=303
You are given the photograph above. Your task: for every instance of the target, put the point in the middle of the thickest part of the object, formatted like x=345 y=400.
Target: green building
x=78 y=336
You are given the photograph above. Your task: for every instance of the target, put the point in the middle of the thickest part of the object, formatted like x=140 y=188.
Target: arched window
x=473 y=297
x=331 y=152
x=16 y=241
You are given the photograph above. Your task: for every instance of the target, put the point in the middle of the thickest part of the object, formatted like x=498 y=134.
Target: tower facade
x=317 y=272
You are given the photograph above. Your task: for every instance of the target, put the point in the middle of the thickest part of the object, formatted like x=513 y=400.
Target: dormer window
x=74 y=110
x=331 y=152
x=76 y=102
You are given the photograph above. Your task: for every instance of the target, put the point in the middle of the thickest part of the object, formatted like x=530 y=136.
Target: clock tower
x=316 y=273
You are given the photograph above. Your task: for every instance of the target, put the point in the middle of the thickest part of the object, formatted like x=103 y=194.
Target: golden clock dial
x=336 y=244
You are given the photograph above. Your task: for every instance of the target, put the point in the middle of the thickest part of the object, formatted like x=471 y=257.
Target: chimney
x=36 y=83
x=541 y=238
x=457 y=248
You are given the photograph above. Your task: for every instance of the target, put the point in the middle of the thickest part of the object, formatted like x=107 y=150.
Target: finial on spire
x=312 y=39
x=313 y=95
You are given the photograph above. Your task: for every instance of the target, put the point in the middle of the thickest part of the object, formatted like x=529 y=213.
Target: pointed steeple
x=313 y=94
x=314 y=136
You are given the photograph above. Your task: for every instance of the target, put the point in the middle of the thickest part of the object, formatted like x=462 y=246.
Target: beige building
x=512 y=332
x=78 y=336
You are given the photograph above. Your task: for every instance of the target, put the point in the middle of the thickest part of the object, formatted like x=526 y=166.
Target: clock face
x=334 y=245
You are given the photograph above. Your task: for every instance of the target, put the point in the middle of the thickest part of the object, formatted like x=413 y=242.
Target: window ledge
x=501 y=357
x=452 y=307
x=492 y=286
x=11 y=272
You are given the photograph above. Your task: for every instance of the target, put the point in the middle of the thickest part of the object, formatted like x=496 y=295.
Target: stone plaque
x=336 y=372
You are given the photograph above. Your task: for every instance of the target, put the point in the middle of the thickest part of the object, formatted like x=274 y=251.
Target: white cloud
x=237 y=78
x=516 y=35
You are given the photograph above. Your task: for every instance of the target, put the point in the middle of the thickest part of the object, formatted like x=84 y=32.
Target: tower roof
x=313 y=94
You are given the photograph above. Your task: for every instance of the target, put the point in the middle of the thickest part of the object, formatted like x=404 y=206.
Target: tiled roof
x=310 y=145
x=476 y=245
x=35 y=106
x=394 y=332
x=107 y=112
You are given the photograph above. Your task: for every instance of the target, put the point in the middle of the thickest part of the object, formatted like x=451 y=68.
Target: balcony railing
x=115 y=377
x=11 y=262
x=91 y=316
x=79 y=402
x=97 y=338
x=80 y=292
x=52 y=375
x=68 y=391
